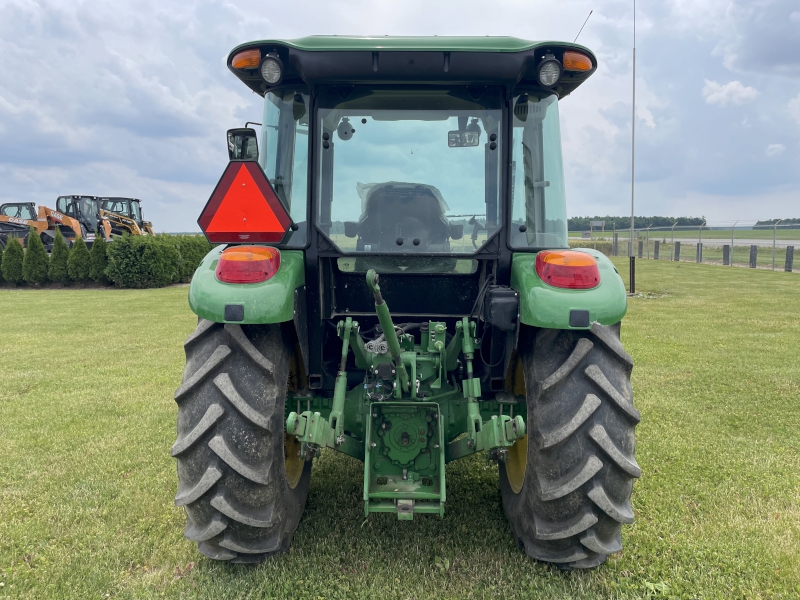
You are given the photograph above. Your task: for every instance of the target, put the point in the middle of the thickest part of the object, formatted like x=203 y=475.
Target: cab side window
x=65 y=205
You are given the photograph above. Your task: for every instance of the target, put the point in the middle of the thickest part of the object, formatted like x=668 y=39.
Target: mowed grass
x=86 y=481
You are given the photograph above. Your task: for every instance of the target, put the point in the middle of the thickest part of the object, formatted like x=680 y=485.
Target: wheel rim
x=291 y=460
x=516 y=464
x=517 y=461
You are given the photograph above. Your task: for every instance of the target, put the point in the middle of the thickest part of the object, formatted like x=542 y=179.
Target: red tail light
x=248 y=264
x=568 y=269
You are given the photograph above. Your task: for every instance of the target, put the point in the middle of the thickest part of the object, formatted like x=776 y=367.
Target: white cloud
x=794 y=108
x=133 y=97
x=775 y=149
x=728 y=93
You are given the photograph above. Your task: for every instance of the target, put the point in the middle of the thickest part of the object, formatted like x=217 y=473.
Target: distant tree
x=98 y=260
x=59 y=260
x=611 y=223
x=769 y=223
x=78 y=263
x=12 y=262
x=35 y=263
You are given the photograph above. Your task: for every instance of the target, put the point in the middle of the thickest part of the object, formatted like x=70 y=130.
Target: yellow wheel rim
x=516 y=462
x=517 y=459
x=292 y=461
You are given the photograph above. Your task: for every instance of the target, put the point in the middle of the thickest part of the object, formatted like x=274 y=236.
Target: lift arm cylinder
x=382 y=310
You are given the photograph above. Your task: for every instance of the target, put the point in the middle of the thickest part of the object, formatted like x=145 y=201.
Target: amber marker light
x=247 y=59
x=248 y=264
x=576 y=61
x=568 y=269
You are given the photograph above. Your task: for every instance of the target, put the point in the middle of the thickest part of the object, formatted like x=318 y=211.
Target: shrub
x=1 y=265
x=192 y=249
x=12 y=261
x=98 y=260
x=35 y=263
x=59 y=260
x=78 y=263
x=142 y=262
x=603 y=246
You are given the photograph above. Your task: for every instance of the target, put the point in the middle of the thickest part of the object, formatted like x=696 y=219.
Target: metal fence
x=772 y=247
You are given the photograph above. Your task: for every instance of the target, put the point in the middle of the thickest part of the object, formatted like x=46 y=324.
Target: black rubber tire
x=580 y=465
x=231 y=472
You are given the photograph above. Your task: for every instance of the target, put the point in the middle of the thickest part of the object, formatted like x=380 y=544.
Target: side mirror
x=456 y=231
x=242 y=144
x=350 y=229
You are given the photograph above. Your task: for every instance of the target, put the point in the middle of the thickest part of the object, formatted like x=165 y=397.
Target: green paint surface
x=542 y=305
x=271 y=301
x=350 y=43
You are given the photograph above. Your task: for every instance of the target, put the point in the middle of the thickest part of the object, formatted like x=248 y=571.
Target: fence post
x=789 y=258
x=774 y=239
x=656 y=248
x=699 y=252
x=753 y=256
x=641 y=248
x=615 y=245
x=677 y=251
x=726 y=254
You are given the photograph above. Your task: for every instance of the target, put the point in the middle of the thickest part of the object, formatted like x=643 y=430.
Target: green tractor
x=422 y=174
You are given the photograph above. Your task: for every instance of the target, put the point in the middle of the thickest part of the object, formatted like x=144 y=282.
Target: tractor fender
x=271 y=301
x=542 y=305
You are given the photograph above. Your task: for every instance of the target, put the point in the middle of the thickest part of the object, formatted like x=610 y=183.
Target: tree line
x=129 y=261
x=612 y=223
x=791 y=223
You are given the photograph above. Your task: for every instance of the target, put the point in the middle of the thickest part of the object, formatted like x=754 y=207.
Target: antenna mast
x=582 y=26
x=632 y=259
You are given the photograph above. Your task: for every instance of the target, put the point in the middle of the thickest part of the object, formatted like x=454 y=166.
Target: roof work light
x=271 y=69
x=549 y=71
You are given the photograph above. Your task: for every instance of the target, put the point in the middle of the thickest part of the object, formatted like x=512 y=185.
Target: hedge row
x=129 y=261
x=603 y=246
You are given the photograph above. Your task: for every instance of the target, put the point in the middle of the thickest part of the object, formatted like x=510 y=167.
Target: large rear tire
x=240 y=479
x=566 y=487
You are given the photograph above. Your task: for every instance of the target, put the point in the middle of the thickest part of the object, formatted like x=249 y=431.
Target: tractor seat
x=404 y=212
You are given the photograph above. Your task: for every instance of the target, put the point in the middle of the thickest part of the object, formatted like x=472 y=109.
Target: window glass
x=88 y=208
x=284 y=154
x=410 y=171
x=539 y=213
x=136 y=211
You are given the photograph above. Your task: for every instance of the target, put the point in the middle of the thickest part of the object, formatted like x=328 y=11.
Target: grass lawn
x=87 y=420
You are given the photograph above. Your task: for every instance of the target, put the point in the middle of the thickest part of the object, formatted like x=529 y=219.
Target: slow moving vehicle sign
x=244 y=208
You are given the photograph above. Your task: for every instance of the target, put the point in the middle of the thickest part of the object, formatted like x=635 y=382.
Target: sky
x=133 y=98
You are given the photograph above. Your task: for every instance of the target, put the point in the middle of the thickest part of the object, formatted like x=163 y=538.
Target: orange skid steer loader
x=75 y=216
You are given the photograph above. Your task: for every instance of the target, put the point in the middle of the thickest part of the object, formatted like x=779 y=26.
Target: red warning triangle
x=244 y=208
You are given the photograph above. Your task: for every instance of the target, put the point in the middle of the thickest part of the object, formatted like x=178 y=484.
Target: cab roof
x=440 y=60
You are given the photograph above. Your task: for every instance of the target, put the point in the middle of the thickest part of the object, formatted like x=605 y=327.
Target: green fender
x=272 y=301
x=542 y=305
